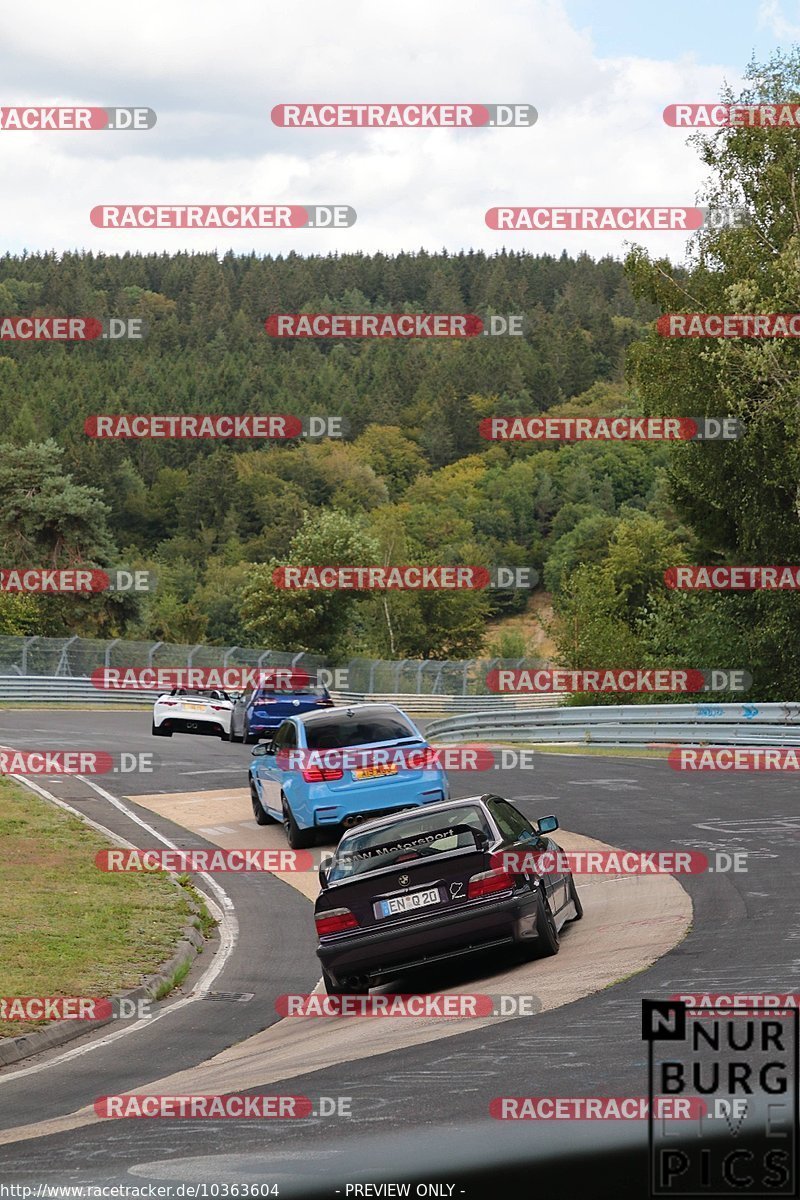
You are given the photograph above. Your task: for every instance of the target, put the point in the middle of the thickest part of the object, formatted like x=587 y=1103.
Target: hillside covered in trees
x=413 y=481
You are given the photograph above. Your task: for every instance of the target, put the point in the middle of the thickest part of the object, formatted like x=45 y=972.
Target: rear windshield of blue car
x=415 y=837
x=337 y=731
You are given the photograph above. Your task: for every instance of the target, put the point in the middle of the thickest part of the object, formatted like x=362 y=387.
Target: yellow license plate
x=195 y=707
x=375 y=772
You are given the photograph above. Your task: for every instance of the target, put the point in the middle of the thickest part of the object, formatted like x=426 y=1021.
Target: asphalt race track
x=743 y=939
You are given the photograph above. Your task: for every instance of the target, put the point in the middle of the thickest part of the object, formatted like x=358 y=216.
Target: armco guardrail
x=631 y=725
x=56 y=689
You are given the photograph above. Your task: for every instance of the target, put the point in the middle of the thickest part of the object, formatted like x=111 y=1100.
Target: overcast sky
x=599 y=74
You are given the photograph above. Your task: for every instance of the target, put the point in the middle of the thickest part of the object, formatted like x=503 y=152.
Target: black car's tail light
x=335 y=920
x=321 y=774
x=488 y=882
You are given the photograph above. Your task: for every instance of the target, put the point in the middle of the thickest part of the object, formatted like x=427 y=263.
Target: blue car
x=327 y=769
x=260 y=713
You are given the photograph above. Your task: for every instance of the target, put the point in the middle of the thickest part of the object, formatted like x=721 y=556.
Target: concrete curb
x=13 y=1050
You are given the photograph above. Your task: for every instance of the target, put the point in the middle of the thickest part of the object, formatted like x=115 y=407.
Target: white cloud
x=214 y=72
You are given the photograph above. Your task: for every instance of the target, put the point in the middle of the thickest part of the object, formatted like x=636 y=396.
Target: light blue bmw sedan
x=338 y=767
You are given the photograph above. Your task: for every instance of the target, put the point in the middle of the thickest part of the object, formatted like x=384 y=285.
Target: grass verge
x=66 y=927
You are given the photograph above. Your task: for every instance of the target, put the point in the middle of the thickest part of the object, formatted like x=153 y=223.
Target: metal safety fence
x=631 y=725
x=77 y=658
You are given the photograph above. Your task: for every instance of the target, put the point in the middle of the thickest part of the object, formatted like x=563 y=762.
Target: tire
x=160 y=731
x=259 y=812
x=576 y=900
x=548 y=941
x=336 y=989
x=232 y=737
x=247 y=736
x=298 y=839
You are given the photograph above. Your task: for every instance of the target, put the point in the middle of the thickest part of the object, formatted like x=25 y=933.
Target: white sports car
x=193 y=710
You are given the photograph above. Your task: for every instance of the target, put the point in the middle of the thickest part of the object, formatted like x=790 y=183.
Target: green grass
x=66 y=927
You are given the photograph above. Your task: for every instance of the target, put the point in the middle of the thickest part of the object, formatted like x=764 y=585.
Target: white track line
x=224 y=912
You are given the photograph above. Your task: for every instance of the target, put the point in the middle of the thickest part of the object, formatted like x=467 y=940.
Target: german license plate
x=375 y=772
x=401 y=904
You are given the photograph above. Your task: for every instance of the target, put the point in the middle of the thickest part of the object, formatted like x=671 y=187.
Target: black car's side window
x=511 y=823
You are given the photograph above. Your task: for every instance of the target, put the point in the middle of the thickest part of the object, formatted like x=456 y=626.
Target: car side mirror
x=261 y=749
x=547 y=824
x=323 y=876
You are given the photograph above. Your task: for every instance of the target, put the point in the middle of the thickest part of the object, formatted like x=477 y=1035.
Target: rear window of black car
x=362 y=729
x=415 y=837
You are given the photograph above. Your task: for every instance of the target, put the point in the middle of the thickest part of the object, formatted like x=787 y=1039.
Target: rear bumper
x=349 y=805
x=382 y=953
x=184 y=725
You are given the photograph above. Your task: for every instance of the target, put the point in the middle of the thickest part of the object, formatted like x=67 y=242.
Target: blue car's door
x=271 y=778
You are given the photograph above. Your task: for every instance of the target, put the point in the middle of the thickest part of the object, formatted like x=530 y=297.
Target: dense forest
x=413 y=481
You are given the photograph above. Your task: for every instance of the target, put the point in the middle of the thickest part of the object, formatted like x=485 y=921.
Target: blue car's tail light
x=321 y=774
